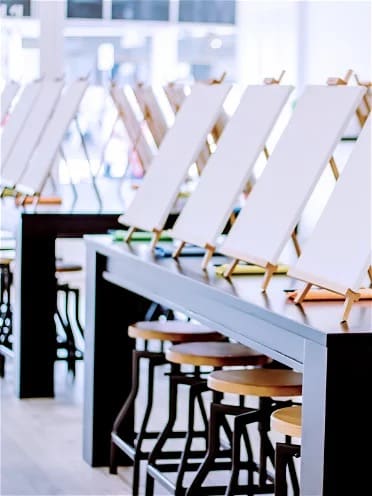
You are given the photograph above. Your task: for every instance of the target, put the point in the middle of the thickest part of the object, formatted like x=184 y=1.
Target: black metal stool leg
x=126 y=409
x=284 y=456
x=267 y=451
x=240 y=428
x=194 y=396
x=216 y=416
x=142 y=432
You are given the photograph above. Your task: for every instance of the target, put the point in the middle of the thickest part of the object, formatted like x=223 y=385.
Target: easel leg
x=300 y=298
x=208 y=255
x=130 y=233
x=155 y=238
x=230 y=268
x=296 y=244
x=270 y=269
x=351 y=298
x=370 y=273
x=178 y=250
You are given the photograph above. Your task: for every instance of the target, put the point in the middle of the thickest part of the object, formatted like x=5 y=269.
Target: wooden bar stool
x=6 y=341
x=265 y=384
x=68 y=298
x=173 y=331
x=212 y=354
x=287 y=421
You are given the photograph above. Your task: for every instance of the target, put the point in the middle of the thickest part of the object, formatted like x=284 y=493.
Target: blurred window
x=84 y=9
x=143 y=10
x=12 y=7
x=214 y=11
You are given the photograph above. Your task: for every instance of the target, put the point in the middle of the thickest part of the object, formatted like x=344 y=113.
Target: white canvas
x=42 y=158
x=9 y=92
x=337 y=254
x=274 y=207
x=179 y=149
x=229 y=168
x=31 y=132
x=17 y=119
x=132 y=126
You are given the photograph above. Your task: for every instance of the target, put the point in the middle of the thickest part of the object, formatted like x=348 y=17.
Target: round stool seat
x=257 y=382
x=6 y=260
x=287 y=421
x=215 y=354
x=67 y=267
x=172 y=330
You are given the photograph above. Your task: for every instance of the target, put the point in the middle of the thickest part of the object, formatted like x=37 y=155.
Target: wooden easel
x=133 y=126
x=364 y=109
x=258 y=110
x=179 y=148
x=152 y=111
x=353 y=182
x=295 y=130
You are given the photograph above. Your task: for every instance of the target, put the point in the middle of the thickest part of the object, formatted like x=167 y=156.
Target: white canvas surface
x=42 y=158
x=16 y=121
x=337 y=254
x=32 y=131
x=228 y=169
x=179 y=149
x=9 y=92
x=274 y=207
x=132 y=126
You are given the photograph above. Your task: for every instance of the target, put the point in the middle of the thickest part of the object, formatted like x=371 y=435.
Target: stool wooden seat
x=215 y=354
x=287 y=421
x=172 y=330
x=257 y=382
x=67 y=267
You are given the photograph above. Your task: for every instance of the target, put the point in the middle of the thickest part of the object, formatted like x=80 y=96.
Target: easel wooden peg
x=155 y=238
x=337 y=81
x=218 y=81
x=208 y=255
x=296 y=244
x=273 y=80
x=351 y=297
x=230 y=268
x=301 y=296
x=370 y=273
x=364 y=109
x=178 y=250
x=270 y=270
x=129 y=235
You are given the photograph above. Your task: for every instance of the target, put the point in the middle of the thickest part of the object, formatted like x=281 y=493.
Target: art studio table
x=36 y=292
x=336 y=360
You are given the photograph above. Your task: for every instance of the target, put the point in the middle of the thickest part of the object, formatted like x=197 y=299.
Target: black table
x=336 y=359
x=36 y=292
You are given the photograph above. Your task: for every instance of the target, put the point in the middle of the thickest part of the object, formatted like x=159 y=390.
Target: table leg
x=336 y=420
x=35 y=301
x=107 y=358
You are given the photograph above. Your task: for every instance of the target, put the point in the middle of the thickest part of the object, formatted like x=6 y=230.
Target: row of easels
x=273 y=208
x=33 y=133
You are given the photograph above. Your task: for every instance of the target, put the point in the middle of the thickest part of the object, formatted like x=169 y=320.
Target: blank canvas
x=42 y=158
x=17 y=119
x=32 y=130
x=156 y=196
x=132 y=125
x=337 y=254
x=228 y=169
x=9 y=92
x=274 y=206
